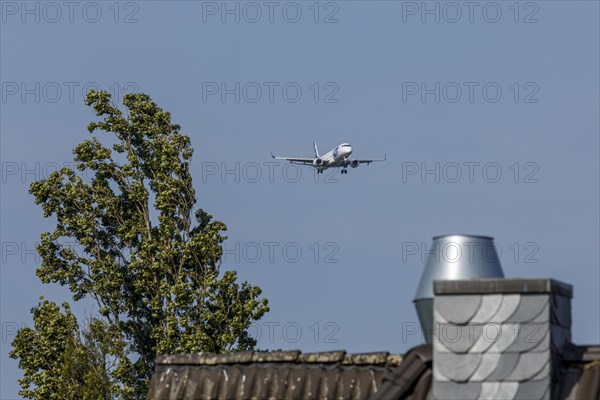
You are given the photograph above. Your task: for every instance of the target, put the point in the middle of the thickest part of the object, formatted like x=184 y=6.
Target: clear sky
x=488 y=114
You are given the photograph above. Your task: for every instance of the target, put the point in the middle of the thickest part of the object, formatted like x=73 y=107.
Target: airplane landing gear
x=344 y=171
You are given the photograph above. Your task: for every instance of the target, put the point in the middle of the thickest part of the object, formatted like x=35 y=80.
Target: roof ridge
x=382 y=358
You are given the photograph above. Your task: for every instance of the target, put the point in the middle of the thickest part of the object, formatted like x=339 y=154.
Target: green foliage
x=149 y=260
x=59 y=363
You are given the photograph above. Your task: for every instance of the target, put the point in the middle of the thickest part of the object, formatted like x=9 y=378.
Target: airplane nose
x=349 y=150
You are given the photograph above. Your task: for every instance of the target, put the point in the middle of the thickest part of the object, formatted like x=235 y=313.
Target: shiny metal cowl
x=454 y=257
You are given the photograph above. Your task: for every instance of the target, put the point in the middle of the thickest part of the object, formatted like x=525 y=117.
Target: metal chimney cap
x=464 y=235
x=475 y=257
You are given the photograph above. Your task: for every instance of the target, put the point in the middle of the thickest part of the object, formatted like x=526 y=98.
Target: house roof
x=335 y=374
x=277 y=375
x=411 y=380
x=579 y=377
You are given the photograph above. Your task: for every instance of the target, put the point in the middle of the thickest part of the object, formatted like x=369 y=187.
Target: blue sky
x=489 y=119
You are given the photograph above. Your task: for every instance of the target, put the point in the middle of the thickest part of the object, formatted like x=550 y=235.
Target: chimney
x=499 y=338
x=454 y=257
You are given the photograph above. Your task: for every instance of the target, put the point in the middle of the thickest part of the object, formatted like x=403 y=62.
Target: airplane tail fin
x=316 y=150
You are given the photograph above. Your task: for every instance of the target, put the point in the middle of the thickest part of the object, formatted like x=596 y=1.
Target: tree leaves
x=142 y=251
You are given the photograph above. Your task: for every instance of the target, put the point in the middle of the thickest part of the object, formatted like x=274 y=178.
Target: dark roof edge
x=503 y=286
x=293 y=356
x=582 y=353
x=205 y=358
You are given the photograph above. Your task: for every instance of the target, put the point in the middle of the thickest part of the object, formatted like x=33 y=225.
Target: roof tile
x=323 y=357
x=378 y=358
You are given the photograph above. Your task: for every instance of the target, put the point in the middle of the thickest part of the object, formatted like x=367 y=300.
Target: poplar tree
x=144 y=254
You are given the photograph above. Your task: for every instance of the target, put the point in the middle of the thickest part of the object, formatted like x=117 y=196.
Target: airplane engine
x=354 y=163
x=318 y=162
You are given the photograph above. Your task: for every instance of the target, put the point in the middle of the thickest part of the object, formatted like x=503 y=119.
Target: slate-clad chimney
x=499 y=338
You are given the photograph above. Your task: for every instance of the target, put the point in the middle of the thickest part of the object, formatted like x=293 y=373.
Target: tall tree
x=151 y=267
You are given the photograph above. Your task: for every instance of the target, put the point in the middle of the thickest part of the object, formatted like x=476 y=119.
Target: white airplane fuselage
x=337 y=157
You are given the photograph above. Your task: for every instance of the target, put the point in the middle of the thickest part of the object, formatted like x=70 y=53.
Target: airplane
x=336 y=158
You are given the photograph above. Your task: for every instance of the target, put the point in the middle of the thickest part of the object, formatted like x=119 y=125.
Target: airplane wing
x=297 y=160
x=370 y=161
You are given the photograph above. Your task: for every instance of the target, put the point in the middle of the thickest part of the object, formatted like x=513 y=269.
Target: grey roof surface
x=411 y=380
x=579 y=377
x=270 y=375
x=329 y=375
